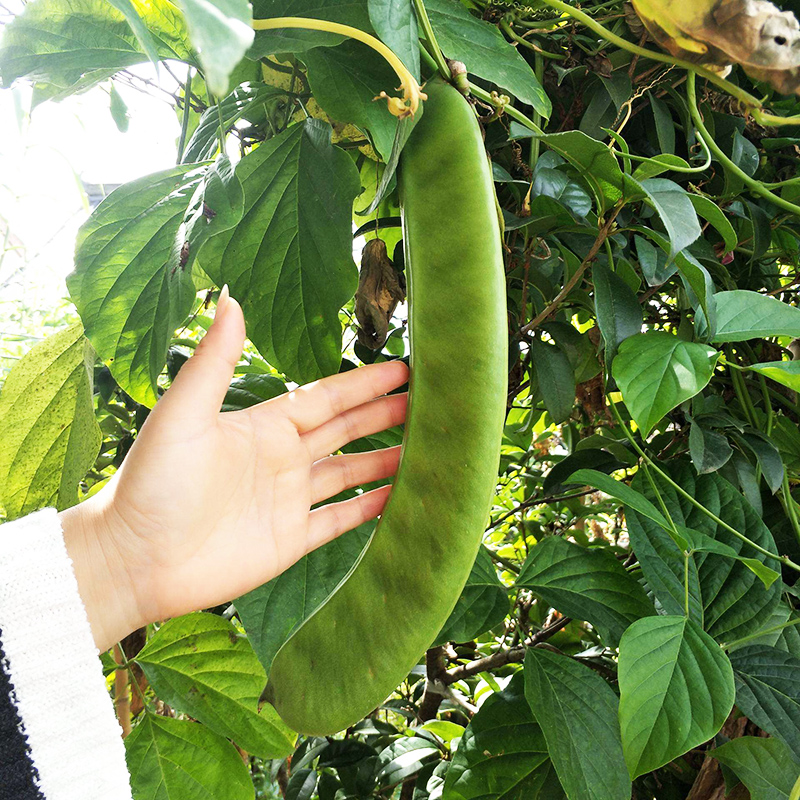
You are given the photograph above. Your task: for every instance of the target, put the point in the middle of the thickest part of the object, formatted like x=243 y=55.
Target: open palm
x=208 y=505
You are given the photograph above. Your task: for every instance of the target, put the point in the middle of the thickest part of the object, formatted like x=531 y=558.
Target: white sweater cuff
x=58 y=682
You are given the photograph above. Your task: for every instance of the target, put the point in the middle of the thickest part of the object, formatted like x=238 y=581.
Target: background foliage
x=629 y=627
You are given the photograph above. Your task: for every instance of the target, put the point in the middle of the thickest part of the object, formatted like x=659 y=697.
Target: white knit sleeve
x=51 y=659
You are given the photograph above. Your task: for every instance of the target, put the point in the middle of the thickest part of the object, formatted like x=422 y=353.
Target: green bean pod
x=347 y=657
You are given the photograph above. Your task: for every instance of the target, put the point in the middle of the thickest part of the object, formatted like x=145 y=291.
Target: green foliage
x=577 y=712
x=48 y=433
x=643 y=548
x=676 y=690
x=223 y=694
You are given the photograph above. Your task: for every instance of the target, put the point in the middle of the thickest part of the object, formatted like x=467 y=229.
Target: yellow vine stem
x=412 y=93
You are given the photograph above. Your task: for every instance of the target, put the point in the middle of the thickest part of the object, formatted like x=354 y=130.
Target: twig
x=602 y=235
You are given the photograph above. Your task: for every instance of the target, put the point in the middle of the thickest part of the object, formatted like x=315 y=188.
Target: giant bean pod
x=363 y=641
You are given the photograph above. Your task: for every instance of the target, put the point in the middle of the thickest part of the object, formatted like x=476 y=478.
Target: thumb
x=203 y=381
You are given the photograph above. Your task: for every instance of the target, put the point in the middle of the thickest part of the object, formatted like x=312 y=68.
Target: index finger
x=316 y=403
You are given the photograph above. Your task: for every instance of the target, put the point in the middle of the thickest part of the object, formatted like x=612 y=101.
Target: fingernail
x=222 y=302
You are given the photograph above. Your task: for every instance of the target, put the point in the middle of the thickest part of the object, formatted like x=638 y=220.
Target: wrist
x=103 y=582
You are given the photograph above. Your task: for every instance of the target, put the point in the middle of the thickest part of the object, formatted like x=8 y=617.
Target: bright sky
x=43 y=157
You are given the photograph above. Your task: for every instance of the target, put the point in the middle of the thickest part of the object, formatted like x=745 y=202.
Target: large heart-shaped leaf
x=676 y=690
x=200 y=665
x=587 y=584
x=725 y=594
x=503 y=754
x=290 y=260
x=128 y=284
x=172 y=759
x=657 y=371
x=49 y=437
x=577 y=712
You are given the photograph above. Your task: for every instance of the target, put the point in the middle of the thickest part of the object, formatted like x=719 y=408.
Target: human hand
x=207 y=506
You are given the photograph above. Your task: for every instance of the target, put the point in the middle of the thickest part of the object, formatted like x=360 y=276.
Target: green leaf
x=59 y=41
x=743 y=315
x=502 y=755
x=711 y=212
x=139 y=27
x=404 y=757
x=119 y=110
x=387 y=177
x=767 y=455
x=250 y=389
x=290 y=259
x=618 y=312
x=621 y=491
x=662 y=557
x=485 y=52
x=217 y=205
x=272 y=612
x=734 y=601
x=657 y=371
x=556 y=379
x=787 y=373
x=660 y=163
x=49 y=437
x=345 y=80
x=709 y=449
x=243 y=101
x=596 y=165
x=172 y=759
x=554 y=183
x=768 y=690
x=221 y=31
x=587 y=584
x=767 y=767
x=127 y=285
x=302 y=784
x=396 y=25
x=482 y=605
x=200 y=665
x=653 y=262
x=676 y=211
x=577 y=712
x=676 y=690
x=665 y=127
